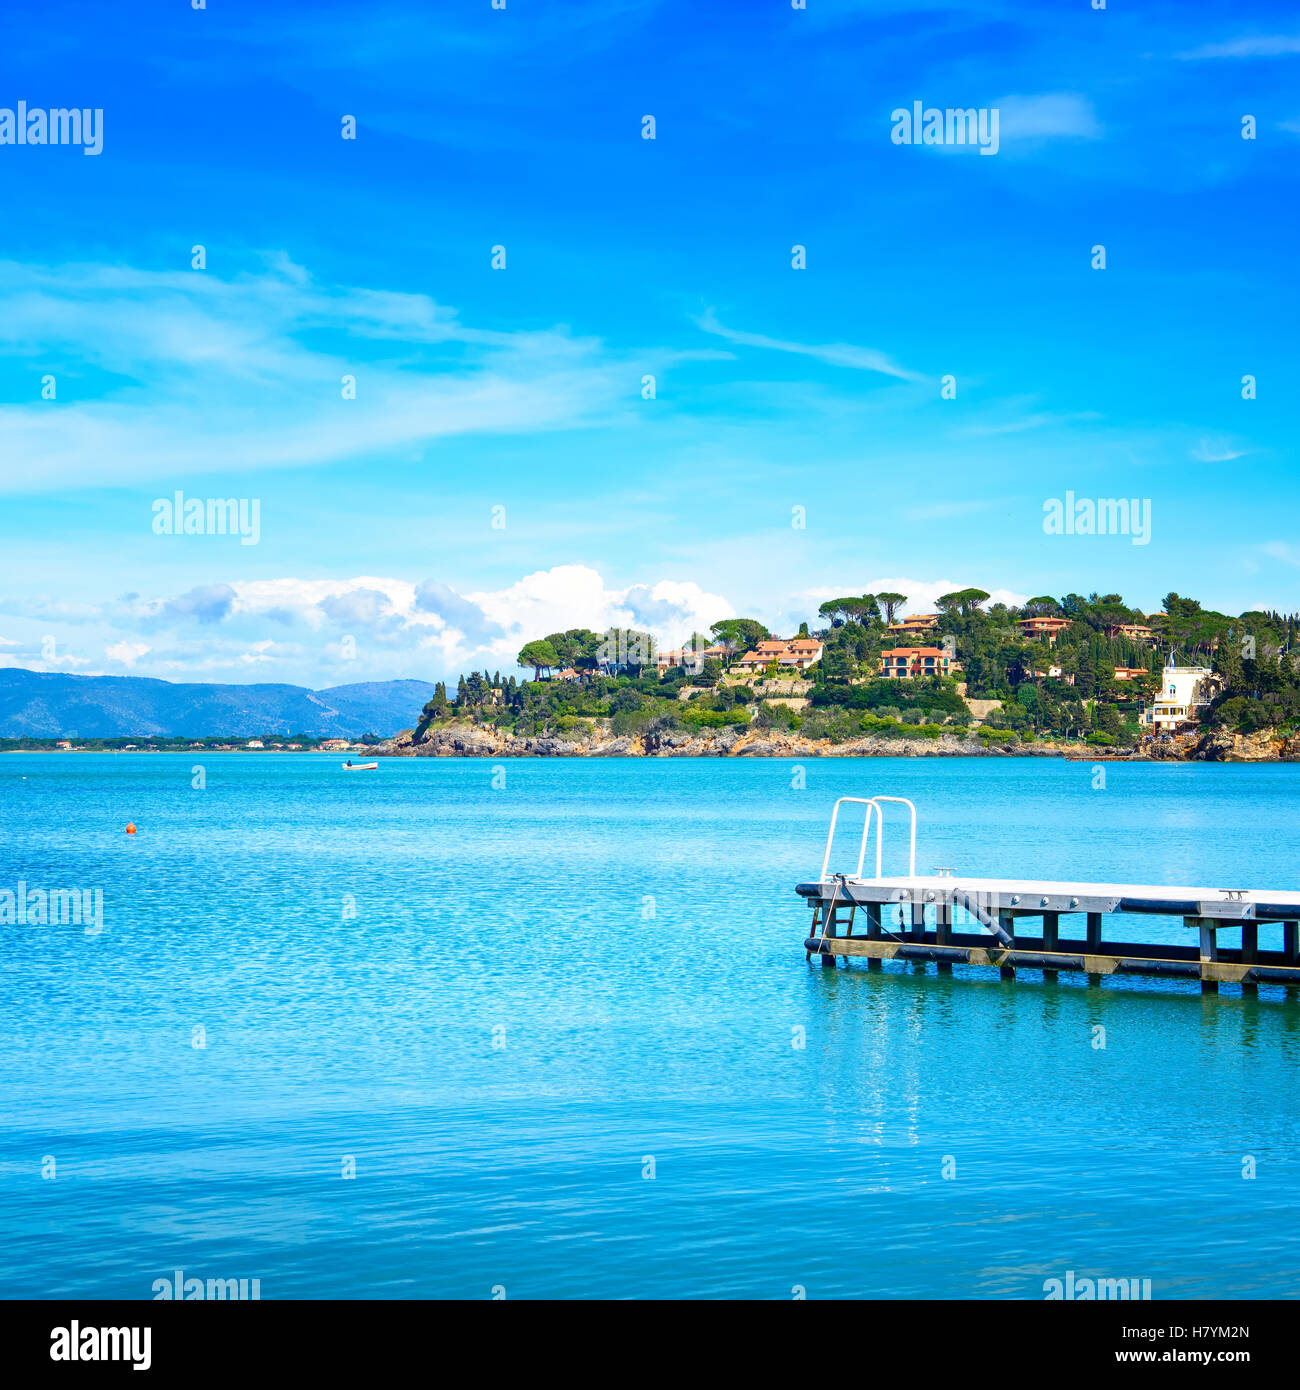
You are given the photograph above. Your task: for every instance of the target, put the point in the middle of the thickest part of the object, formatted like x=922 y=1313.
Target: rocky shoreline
x=481 y=741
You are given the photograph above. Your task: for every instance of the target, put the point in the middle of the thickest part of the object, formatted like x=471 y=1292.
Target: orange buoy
x=130 y=827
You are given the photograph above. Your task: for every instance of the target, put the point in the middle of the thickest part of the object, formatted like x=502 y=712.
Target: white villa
x=1184 y=692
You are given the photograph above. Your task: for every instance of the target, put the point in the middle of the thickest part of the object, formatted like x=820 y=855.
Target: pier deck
x=1229 y=905
x=915 y=917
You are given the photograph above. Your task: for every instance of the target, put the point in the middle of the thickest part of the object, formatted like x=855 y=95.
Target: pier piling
x=1051 y=940
x=1008 y=923
x=1209 y=952
x=896 y=922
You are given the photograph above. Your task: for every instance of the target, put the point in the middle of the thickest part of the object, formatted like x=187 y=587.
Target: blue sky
x=521 y=388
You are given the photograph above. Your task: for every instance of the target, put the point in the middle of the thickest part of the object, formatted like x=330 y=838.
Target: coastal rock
x=467 y=740
x=553 y=747
x=666 y=741
x=770 y=748
x=1266 y=745
x=451 y=741
x=617 y=748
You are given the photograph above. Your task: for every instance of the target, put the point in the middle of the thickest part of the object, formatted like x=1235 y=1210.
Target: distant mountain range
x=37 y=704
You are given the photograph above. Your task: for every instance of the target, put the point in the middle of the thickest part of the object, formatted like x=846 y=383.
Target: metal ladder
x=872 y=803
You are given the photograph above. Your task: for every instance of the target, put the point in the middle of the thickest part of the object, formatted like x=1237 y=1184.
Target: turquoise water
x=353 y=944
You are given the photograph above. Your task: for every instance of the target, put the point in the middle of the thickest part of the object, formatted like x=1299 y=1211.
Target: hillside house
x=1135 y=632
x=796 y=653
x=1053 y=673
x=801 y=653
x=906 y=663
x=913 y=624
x=1185 y=691
x=1044 y=627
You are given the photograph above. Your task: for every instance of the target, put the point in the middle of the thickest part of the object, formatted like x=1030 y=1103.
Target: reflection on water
x=500 y=1003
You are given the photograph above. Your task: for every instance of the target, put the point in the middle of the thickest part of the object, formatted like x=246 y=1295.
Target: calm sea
x=549 y=1013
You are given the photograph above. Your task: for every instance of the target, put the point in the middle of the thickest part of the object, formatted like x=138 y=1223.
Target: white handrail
x=871 y=803
x=880 y=833
x=866 y=830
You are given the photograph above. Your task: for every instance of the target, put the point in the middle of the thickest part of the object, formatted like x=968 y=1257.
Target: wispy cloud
x=1023 y=423
x=40 y=658
x=1217 y=451
x=945 y=511
x=1281 y=550
x=922 y=594
x=1050 y=116
x=127 y=653
x=162 y=375
x=1250 y=46
x=833 y=354
x=42 y=606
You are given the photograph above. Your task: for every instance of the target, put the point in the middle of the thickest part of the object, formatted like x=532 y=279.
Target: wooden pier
x=912 y=918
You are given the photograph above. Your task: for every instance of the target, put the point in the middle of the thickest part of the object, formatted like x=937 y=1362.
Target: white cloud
x=1022 y=423
x=1052 y=116
x=1216 y=451
x=316 y=600
x=246 y=373
x=393 y=620
x=549 y=600
x=1251 y=46
x=946 y=511
x=128 y=653
x=43 y=606
x=259 y=652
x=576 y=596
x=40 y=657
x=922 y=594
x=1281 y=550
x=834 y=354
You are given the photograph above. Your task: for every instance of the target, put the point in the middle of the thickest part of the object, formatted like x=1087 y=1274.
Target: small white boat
x=350 y=766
